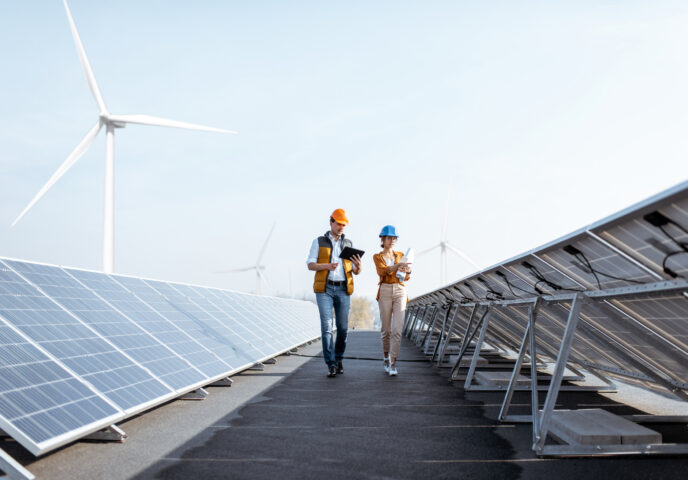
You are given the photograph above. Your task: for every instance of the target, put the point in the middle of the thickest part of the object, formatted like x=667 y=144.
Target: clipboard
x=349 y=252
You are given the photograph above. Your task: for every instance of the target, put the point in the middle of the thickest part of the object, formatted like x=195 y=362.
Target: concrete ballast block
x=599 y=427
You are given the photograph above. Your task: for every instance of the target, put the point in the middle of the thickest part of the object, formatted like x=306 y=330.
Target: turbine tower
x=260 y=276
x=110 y=122
x=445 y=246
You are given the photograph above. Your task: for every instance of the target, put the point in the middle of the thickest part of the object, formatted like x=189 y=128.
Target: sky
x=544 y=116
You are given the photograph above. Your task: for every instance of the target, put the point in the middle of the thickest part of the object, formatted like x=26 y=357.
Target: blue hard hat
x=388 y=231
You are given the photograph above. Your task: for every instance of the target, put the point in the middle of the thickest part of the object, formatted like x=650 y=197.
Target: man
x=333 y=286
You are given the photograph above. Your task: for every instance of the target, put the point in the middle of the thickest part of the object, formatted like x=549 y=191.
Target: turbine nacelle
x=105 y=119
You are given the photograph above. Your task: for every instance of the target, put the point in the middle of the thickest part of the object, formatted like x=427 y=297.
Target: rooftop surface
x=291 y=421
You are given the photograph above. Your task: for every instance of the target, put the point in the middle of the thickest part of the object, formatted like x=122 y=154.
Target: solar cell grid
x=212 y=333
x=252 y=343
x=39 y=399
x=76 y=345
x=114 y=322
x=176 y=324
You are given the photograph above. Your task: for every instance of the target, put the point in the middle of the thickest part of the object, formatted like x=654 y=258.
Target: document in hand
x=408 y=259
x=349 y=252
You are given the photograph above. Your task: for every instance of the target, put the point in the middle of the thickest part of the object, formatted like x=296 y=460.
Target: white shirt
x=338 y=273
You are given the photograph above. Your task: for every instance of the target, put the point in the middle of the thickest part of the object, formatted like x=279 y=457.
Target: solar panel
x=75 y=343
x=40 y=401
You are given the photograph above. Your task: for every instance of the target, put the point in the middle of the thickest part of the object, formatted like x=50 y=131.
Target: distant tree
x=361 y=313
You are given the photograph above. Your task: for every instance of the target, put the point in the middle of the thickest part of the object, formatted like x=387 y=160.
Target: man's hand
x=356 y=260
x=316 y=267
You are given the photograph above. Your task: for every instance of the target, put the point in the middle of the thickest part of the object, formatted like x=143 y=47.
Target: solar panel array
x=628 y=274
x=632 y=267
x=81 y=350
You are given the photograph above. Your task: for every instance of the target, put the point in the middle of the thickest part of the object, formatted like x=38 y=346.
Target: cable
x=659 y=220
x=541 y=279
x=667 y=269
x=495 y=295
x=508 y=284
x=580 y=256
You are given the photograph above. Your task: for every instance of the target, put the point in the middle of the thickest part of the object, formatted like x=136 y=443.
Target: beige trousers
x=392 y=305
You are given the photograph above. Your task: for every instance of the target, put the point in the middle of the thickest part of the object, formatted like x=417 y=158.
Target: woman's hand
x=404 y=267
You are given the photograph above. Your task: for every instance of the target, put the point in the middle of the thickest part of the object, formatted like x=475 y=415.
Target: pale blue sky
x=550 y=114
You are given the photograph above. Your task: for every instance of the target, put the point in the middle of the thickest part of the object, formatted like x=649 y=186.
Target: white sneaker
x=393 y=370
x=387 y=365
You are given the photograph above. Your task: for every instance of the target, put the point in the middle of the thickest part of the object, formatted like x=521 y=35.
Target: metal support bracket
x=443 y=349
x=441 y=336
x=543 y=420
x=476 y=351
x=12 y=468
x=258 y=367
x=532 y=311
x=109 y=434
x=466 y=341
x=198 y=394
x=223 y=382
x=269 y=361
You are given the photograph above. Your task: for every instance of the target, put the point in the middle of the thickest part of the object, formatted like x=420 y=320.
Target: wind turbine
x=110 y=122
x=445 y=246
x=260 y=276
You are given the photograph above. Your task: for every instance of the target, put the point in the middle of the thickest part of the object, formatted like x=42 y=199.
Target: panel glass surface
x=251 y=341
x=38 y=397
x=198 y=350
x=136 y=329
x=254 y=316
x=202 y=326
x=75 y=343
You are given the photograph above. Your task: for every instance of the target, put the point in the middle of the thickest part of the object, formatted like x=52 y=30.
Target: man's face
x=337 y=228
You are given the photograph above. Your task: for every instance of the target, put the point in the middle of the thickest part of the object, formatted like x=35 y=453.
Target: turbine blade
x=164 y=122
x=71 y=160
x=237 y=270
x=265 y=245
x=462 y=255
x=423 y=252
x=85 y=65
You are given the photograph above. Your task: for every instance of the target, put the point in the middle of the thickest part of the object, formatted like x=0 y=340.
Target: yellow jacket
x=381 y=268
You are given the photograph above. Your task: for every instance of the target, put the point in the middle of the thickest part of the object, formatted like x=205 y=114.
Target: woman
x=391 y=296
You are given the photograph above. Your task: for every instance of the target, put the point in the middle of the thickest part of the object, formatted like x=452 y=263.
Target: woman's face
x=389 y=242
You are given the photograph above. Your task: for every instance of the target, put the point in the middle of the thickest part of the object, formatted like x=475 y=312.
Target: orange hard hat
x=339 y=216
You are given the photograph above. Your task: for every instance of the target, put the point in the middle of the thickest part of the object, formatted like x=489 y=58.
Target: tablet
x=349 y=252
